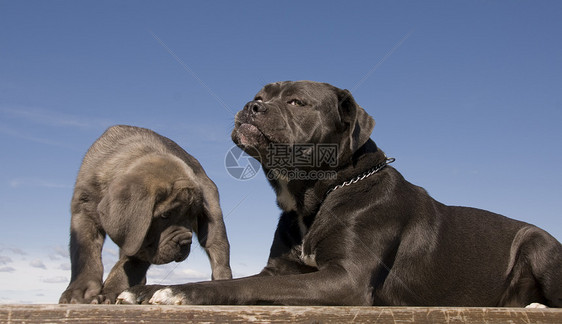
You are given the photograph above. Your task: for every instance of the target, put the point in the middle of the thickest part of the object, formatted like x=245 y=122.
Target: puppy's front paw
x=137 y=294
x=81 y=292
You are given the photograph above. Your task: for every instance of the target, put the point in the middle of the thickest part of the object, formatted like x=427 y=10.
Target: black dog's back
x=530 y=272
x=472 y=253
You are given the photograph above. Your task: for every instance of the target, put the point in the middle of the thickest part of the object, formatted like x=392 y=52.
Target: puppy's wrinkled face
x=151 y=209
x=289 y=113
x=170 y=233
x=175 y=199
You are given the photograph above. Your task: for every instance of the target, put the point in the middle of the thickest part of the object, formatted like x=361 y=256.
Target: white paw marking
x=309 y=260
x=536 y=305
x=166 y=297
x=126 y=298
x=284 y=198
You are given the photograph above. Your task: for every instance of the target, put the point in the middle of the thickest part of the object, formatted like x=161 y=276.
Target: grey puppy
x=367 y=236
x=148 y=195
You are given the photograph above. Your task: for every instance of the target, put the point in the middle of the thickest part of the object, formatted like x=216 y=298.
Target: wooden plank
x=270 y=314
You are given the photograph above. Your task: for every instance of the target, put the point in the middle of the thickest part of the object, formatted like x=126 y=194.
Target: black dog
x=366 y=236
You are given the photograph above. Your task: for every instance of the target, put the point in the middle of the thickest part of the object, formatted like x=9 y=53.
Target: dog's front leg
x=326 y=287
x=86 y=241
x=127 y=272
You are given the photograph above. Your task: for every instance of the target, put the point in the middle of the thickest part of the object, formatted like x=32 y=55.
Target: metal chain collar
x=363 y=175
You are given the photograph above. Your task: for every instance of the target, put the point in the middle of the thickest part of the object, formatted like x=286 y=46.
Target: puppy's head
x=148 y=211
x=302 y=112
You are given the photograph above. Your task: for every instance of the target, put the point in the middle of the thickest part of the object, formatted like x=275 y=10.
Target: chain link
x=363 y=175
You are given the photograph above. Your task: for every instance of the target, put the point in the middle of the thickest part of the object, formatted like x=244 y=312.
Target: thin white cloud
x=27 y=119
x=52 y=118
x=38 y=264
x=60 y=251
x=5 y=260
x=56 y=280
x=37 y=183
x=7 y=269
x=17 y=251
x=25 y=136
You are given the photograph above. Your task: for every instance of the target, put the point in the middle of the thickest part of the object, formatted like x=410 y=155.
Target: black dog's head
x=302 y=112
x=148 y=210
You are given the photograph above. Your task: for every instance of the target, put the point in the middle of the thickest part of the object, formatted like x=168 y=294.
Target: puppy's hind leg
x=211 y=233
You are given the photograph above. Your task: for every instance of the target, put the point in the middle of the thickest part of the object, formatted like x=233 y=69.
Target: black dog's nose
x=256 y=107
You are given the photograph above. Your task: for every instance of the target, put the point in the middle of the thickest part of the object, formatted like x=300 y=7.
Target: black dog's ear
x=358 y=123
x=126 y=213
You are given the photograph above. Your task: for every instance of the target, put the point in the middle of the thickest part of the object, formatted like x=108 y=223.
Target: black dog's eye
x=296 y=102
x=258 y=99
x=166 y=215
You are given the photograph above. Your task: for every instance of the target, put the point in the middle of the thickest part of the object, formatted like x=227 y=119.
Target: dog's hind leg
x=535 y=270
x=546 y=261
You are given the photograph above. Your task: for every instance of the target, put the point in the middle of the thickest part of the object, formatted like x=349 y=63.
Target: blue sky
x=466 y=95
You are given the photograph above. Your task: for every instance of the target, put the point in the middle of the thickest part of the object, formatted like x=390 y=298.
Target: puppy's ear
x=126 y=213
x=359 y=124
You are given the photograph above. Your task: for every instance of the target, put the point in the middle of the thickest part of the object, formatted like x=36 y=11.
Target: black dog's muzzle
x=255 y=107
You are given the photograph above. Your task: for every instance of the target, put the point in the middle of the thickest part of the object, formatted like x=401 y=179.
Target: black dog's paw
x=169 y=296
x=152 y=294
